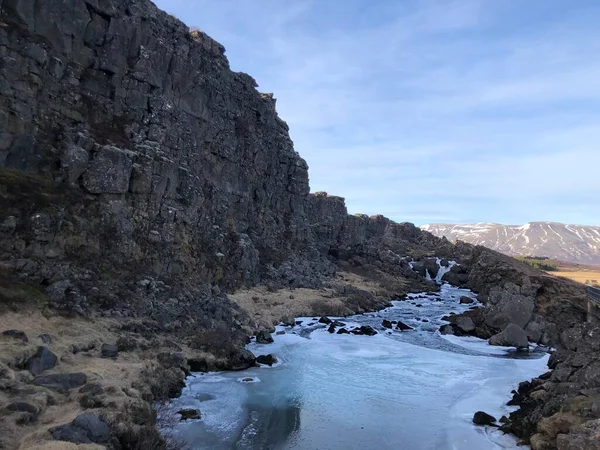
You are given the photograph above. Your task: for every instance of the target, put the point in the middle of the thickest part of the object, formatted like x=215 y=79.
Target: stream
x=402 y=390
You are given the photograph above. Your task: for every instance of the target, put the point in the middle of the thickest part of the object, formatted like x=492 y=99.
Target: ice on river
x=411 y=390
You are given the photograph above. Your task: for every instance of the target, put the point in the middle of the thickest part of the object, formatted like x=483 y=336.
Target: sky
x=430 y=111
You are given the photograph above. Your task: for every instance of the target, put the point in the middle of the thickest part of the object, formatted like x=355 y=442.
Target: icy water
x=396 y=390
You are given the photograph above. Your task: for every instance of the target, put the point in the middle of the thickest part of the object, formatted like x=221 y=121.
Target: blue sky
x=430 y=110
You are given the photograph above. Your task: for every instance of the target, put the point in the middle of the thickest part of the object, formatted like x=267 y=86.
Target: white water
x=411 y=390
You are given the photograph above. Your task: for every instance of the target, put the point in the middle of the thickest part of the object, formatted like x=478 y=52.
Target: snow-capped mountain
x=573 y=243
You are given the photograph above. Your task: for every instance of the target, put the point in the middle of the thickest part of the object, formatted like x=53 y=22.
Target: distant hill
x=572 y=243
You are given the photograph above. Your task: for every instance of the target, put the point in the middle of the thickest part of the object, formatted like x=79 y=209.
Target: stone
x=17 y=334
x=364 y=330
x=466 y=300
x=386 y=324
x=511 y=336
x=280 y=332
x=331 y=328
x=23 y=407
x=507 y=306
x=325 y=320
x=87 y=428
x=61 y=382
x=401 y=326
x=268 y=360
x=342 y=331
x=465 y=324
x=240 y=360
x=109 y=351
x=189 y=414
x=482 y=418
x=264 y=337
x=43 y=359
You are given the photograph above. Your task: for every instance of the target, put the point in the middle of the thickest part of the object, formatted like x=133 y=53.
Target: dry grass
x=268 y=308
x=579 y=273
x=116 y=377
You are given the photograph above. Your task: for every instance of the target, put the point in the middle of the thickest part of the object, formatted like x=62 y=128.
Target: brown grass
x=579 y=273
x=268 y=307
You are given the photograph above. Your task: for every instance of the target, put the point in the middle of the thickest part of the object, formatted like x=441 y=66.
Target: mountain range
x=572 y=243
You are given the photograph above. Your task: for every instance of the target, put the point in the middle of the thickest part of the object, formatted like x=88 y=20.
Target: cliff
x=142 y=181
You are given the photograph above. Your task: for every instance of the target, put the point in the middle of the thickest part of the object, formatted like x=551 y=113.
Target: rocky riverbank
x=150 y=194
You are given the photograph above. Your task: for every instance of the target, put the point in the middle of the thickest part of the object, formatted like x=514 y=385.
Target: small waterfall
x=428 y=276
x=443 y=270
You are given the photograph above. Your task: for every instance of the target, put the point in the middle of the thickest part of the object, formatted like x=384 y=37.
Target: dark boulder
x=23 y=407
x=17 y=334
x=44 y=359
x=342 y=331
x=337 y=323
x=61 y=381
x=331 y=328
x=403 y=327
x=189 y=414
x=386 y=324
x=87 y=428
x=325 y=320
x=511 y=336
x=364 y=330
x=280 y=333
x=240 y=360
x=466 y=300
x=268 y=360
x=482 y=418
x=264 y=337
x=109 y=351
x=447 y=329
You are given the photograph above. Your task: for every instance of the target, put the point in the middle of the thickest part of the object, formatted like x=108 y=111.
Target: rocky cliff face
x=189 y=168
x=141 y=154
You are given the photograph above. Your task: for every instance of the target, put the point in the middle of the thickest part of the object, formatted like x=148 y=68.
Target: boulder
x=44 y=359
x=61 y=381
x=507 y=305
x=264 y=337
x=403 y=327
x=465 y=324
x=189 y=414
x=447 y=329
x=109 y=351
x=240 y=360
x=267 y=360
x=331 y=328
x=342 y=331
x=482 y=418
x=87 y=428
x=511 y=336
x=280 y=333
x=466 y=300
x=364 y=330
x=386 y=324
x=17 y=334
x=325 y=320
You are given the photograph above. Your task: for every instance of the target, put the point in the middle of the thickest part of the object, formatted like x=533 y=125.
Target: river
x=397 y=390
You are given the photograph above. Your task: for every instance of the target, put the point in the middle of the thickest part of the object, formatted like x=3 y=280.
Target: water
x=402 y=390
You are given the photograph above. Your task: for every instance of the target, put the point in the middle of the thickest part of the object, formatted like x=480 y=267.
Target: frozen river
x=396 y=390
